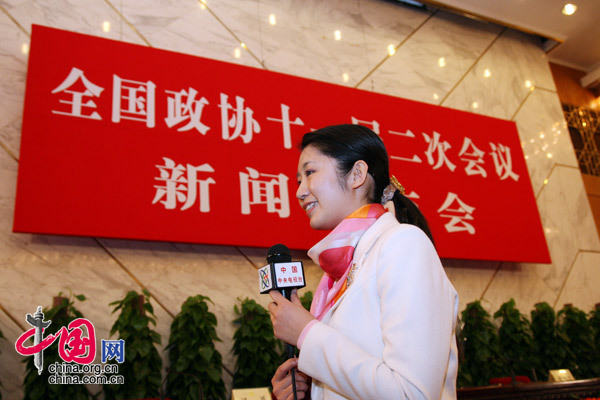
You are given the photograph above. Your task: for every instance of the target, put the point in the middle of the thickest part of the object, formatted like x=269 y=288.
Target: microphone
x=281 y=273
x=284 y=275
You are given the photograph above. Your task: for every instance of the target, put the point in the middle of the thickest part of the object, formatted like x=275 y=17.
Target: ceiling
x=573 y=41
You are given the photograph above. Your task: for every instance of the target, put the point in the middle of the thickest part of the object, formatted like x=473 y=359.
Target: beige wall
x=33 y=268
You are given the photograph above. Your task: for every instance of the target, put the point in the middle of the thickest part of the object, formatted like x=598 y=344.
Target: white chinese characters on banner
x=285 y=120
x=256 y=188
x=183 y=185
x=183 y=106
x=186 y=185
x=373 y=125
x=133 y=100
x=474 y=157
x=413 y=196
x=458 y=212
x=503 y=161
x=242 y=120
x=136 y=100
x=469 y=153
x=435 y=146
x=77 y=102
x=408 y=133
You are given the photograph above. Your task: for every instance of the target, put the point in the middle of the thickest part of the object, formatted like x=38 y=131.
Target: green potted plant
x=515 y=341
x=574 y=323
x=480 y=343
x=551 y=346
x=141 y=369
x=36 y=386
x=195 y=365
x=257 y=350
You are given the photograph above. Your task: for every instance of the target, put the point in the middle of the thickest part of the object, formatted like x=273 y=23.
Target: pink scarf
x=334 y=255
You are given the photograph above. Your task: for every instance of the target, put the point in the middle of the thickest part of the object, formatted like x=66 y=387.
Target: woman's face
x=320 y=191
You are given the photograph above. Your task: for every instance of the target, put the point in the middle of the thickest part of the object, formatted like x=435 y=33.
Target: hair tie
x=389 y=190
x=397 y=184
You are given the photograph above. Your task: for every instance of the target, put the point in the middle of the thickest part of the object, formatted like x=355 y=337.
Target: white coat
x=392 y=333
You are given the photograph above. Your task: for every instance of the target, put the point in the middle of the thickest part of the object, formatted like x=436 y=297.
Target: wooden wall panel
x=568 y=86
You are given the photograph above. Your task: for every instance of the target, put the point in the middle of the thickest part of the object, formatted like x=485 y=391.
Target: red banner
x=126 y=141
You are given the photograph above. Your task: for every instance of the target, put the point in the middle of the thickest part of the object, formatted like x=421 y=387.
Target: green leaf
x=206 y=352
x=155 y=337
x=181 y=364
x=139 y=322
x=214 y=376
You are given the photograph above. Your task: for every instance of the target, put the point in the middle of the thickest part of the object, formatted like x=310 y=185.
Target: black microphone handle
x=289 y=349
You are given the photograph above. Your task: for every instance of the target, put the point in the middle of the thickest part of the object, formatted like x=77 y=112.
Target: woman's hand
x=288 y=318
x=282 y=382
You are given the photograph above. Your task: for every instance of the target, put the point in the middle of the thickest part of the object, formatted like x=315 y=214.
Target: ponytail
x=407 y=212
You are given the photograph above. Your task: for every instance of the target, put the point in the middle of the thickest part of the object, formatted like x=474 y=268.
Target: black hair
x=349 y=143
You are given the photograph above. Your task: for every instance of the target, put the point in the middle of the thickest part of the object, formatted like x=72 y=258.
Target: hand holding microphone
x=281 y=278
x=288 y=317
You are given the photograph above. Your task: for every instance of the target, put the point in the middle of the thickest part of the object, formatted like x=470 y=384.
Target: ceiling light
x=391 y=49
x=338 y=35
x=106 y=26
x=272 y=19
x=487 y=73
x=345 y=77
x=442 y=62
x=569 y=9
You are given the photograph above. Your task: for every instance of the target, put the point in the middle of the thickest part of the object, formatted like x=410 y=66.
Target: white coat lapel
x=363 y=247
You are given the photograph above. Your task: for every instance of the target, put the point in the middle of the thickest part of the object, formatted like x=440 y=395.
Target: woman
x=383 y=317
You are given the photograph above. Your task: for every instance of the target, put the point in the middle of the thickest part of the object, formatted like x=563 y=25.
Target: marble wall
x=519 y=87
